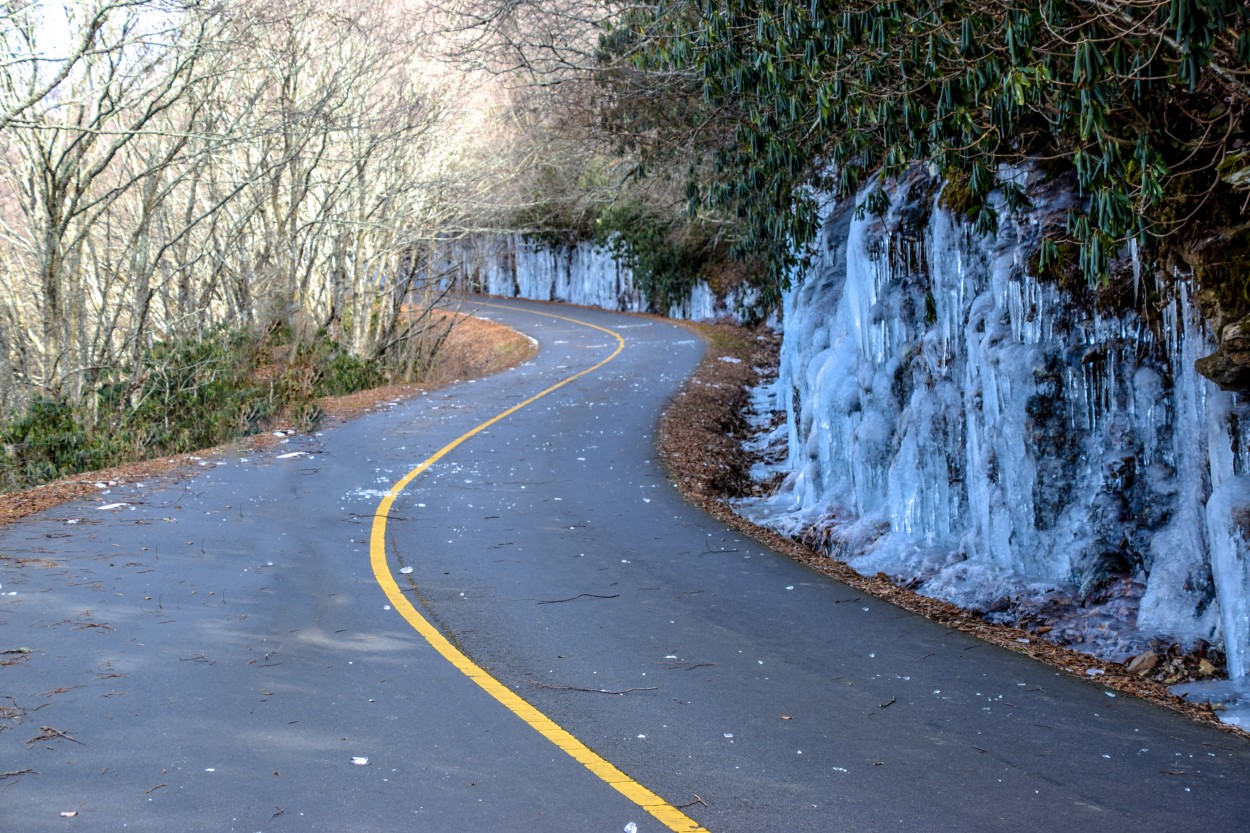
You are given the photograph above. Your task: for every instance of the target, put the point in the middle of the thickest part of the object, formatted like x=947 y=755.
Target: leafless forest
x=172 y=167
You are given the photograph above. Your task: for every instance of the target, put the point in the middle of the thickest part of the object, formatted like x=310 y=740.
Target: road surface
x=242 y=650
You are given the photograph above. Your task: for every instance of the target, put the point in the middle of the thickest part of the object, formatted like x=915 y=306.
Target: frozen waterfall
x=958 y=424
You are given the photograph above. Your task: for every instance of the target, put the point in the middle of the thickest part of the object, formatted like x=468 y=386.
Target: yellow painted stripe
x=668 y=815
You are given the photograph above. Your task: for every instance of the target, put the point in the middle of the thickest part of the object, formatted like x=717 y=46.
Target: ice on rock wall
x=959 y=424
x=1228 y=525
x=513 y=267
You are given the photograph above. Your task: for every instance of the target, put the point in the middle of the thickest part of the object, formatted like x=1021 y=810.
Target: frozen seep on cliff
x=992 y=440
x=583 y=273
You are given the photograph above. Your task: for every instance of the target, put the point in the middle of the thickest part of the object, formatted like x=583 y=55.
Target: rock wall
x=511 y=266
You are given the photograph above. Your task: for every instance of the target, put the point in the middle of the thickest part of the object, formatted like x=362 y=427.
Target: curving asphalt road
x=213 y=655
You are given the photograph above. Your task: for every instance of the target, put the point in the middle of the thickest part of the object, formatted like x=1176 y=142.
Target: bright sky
x=52 y=36
x=59 y=25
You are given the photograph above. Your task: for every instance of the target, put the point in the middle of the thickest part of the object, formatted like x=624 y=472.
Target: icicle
x=1136 y=260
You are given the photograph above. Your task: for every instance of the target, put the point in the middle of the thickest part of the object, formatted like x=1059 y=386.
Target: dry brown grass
x=474 y=348
x=478 y=348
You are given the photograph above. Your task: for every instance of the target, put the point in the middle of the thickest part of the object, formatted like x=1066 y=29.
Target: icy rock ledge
x=584 y=274
x=982 y=435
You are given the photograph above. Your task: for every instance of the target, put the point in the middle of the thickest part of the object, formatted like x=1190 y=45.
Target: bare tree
x=71 y=158
x=43 y=43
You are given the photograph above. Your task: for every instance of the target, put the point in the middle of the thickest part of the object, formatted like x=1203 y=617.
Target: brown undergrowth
x=473 y=348
x=700 y=443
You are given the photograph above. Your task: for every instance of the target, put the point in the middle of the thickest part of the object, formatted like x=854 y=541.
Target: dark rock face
x=1217 y=258
x=1049 y=441
x=1229 y=366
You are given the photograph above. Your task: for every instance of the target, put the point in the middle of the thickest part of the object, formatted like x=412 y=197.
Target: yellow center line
x=666 y=813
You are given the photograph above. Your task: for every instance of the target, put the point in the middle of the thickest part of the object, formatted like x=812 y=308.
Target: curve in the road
x=664 y=812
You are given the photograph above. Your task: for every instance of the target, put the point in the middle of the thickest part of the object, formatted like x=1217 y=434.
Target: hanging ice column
x=956 y=422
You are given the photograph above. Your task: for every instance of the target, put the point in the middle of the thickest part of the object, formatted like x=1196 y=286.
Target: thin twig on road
x=578 y=596
x=537 y=684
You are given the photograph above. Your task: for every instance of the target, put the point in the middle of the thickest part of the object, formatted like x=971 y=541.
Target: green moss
x=1235 y=169
x=957 y=196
